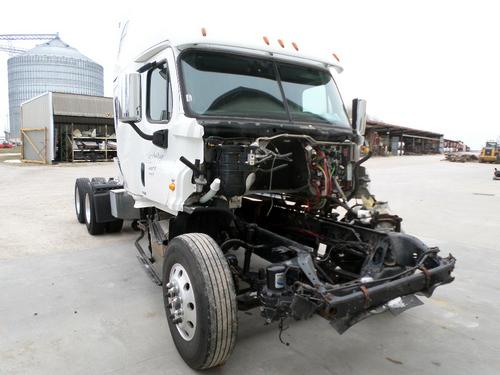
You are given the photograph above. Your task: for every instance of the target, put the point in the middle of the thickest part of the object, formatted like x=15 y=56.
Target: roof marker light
x=266 y=39
x=336 y=57
x=281 y=43
x=203 y=31
x=295 y=46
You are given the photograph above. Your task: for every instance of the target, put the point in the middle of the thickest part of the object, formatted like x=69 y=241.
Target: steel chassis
x=313 y=290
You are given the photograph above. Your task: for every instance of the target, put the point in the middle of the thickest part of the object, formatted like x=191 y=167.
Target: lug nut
x=172 y=292
x=177 y=320
x=169 y=285
x=176 y=302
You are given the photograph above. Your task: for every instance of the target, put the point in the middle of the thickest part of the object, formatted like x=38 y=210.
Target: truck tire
x=81 y=186
x=93 y=227
x=196 y=271
x=114 y=226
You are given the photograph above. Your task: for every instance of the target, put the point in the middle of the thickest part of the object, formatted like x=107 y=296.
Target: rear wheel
x=200 y=300
x=93 y=227
x=81 y=186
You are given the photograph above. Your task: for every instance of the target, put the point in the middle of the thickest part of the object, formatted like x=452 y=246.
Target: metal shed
x=385 y=139
x=62 y=127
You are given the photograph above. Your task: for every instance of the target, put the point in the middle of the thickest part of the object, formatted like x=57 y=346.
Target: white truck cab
x=154 y=93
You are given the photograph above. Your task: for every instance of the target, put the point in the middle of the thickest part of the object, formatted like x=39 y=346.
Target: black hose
x=363 y=159
x=146 y=261
x=147 y=137
x=277 y=168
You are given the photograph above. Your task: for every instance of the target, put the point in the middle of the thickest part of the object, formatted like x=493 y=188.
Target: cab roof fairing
x=284 y=53
x=252 y=48
x=129 y=47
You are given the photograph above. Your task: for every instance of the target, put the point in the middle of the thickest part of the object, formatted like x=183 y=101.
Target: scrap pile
x=461 y=157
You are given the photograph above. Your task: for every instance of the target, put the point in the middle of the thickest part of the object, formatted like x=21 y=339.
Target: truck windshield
x=228 y=85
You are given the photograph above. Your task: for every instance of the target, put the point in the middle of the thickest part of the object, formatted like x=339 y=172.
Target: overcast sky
x=431 y=65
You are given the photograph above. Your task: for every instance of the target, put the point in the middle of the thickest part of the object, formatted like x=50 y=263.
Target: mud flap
x=395 y=306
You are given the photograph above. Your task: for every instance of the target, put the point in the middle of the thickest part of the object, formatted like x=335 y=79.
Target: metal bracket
x=364 y=289
x=305 y=262
x=427 y=276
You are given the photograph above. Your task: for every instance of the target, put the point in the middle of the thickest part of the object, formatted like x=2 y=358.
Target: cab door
x=167 y=181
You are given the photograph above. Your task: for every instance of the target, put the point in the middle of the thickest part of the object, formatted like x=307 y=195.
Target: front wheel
x=200 y=300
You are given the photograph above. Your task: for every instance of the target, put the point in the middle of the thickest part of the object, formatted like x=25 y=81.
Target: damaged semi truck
x=240 y=167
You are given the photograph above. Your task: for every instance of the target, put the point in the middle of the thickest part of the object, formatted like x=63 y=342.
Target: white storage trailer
x=61 y=127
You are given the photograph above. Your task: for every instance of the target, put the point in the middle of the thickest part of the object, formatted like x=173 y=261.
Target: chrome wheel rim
x=77 y=200
x=87 y=208
x=181 y=302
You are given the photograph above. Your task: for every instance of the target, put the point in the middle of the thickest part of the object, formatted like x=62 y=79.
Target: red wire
x=328 y=177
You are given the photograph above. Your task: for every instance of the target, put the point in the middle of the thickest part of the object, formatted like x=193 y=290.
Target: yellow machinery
x=490 y=153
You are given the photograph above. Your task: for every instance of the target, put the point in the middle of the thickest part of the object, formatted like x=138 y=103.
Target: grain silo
x=52 y=66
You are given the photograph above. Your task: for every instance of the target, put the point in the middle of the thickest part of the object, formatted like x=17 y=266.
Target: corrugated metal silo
x=52 y=66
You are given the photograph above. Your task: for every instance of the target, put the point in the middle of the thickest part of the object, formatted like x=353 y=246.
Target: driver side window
x=159 y=95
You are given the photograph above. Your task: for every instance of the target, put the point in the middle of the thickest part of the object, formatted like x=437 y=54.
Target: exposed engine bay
x=295 y=165
x=316 y=177
x=281 y=209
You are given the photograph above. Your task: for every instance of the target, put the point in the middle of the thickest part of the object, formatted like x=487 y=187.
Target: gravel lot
x=75 y=304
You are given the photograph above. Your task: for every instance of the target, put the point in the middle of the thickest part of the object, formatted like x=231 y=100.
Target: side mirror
x=129 y=101
x=359 y=116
